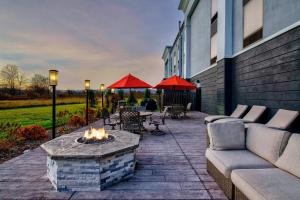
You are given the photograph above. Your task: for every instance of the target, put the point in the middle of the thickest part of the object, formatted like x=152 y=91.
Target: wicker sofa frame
x=224 y=183
x=238 y=195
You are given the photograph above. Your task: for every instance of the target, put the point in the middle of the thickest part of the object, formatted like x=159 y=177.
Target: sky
x=100 y=40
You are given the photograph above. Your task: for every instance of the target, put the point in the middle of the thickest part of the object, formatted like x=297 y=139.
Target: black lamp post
x=112 y=99
x=87 y=85
x=102 y=93
x=53 y=82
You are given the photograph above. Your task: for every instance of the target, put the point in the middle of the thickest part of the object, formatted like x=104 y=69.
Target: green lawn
x=36 y=115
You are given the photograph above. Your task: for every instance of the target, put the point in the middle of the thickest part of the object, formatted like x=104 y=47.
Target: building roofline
x=177 y=36
x=165 y=51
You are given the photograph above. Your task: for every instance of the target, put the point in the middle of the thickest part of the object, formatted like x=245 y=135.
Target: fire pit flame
x=94 y=134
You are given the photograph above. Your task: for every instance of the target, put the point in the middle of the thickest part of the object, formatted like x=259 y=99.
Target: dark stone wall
x=212 y=89
x=269 y=74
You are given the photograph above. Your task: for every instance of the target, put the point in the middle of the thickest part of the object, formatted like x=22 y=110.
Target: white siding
x=200 y=37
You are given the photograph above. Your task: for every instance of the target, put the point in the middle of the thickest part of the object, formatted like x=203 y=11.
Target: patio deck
x=171 y=166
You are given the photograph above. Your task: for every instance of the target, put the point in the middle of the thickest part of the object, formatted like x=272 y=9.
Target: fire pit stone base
x=73 y=166
x=92 y=174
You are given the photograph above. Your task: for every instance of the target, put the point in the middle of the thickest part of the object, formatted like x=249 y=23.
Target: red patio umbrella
x=128 y=82
x=175 y=83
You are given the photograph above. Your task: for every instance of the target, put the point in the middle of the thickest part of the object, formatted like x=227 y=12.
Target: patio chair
x=121 y=104
x=131 y=121
x=283 y=119
x=158 y=120
x=177 y=111
x=239 y=111
x=108 y=120
x=254 y=114
x=188 y=108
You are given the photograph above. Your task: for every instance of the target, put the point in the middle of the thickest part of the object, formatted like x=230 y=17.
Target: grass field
x=8 y=104
x=35 y=115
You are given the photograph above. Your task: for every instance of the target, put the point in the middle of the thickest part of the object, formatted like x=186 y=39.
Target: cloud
x=98 y=40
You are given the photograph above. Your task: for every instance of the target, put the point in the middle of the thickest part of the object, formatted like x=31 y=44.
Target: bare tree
x=9 y=74
x=22 y=80
x=40 y=84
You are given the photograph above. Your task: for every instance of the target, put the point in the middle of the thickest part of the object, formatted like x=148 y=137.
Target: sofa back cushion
x=239 y=111
x=226 y=136
x=290 y=158
x=254 y=113
x=266 y=142
x=283 y=119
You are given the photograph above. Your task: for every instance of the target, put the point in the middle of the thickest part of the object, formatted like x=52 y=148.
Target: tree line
x=14 y=82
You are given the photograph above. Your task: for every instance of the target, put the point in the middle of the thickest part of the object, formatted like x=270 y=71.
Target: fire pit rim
x=66 y=147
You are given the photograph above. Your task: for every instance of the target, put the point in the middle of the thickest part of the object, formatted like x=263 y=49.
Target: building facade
x=173 y=56
x=243 y=52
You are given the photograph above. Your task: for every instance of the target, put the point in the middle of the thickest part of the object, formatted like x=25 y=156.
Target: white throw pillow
x=226 y=136
x=290 y=158
x=267 y=143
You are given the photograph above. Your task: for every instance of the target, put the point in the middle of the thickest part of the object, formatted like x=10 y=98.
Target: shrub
x=6 y=145
x=62 y=118
x=76 y=121
x=33 y=132
x=151 y=105
x=131 y=99
x=147 y=94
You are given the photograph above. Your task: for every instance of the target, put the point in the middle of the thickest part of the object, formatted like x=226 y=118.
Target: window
x=253 y=21
x=213 y=32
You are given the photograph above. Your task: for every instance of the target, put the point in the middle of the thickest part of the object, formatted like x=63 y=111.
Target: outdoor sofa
x=257 y=163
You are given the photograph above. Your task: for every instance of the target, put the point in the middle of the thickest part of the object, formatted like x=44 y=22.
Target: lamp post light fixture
x=53 y=77
x=87 y=85
x=102 y=93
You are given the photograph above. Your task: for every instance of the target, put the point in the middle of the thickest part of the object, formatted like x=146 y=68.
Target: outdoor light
x=87 y=85
x=198 y=84
x=53 y=77
x=102 y=87
x=102 y=92
x=53 y=82
x=112 y=90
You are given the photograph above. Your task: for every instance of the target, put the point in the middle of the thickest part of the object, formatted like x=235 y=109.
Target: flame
x=94 y=134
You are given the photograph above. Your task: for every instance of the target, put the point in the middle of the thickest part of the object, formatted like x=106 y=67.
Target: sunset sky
x=101 y=40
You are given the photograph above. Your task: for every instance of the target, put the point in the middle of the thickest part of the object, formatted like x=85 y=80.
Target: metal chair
x=176 y=111
x=188 y=108
x=107 y=120
x=158 y=120
x=131 y=121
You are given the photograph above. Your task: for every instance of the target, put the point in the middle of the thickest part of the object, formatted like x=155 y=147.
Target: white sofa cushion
x=226 y=135
x=290 y=158
x=226 y=161
x=266 y=184
x=283 y=119
x=266 y=142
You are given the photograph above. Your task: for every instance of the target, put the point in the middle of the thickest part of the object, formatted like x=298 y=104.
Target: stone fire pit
x=74 y=166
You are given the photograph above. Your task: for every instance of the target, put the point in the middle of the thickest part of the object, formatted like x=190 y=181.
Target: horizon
x=97 y=40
